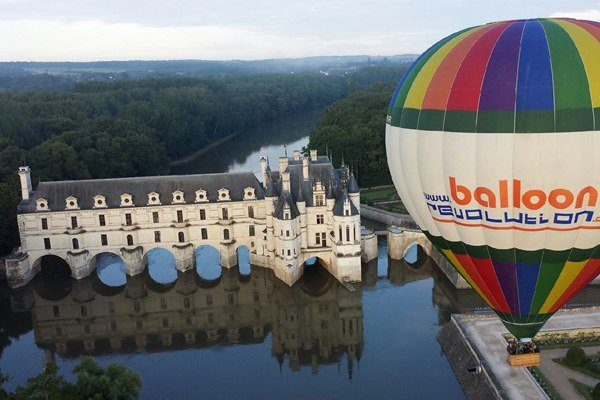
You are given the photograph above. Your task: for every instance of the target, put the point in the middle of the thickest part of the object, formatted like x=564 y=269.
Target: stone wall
x=386 y=217
x=461 y=356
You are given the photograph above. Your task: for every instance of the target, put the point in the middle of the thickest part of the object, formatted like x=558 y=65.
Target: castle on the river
x=307 y=209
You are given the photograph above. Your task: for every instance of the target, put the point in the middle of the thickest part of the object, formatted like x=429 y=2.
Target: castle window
x=165 y=323
x=202 y=214
x=72 y=203
x=163 y=303
x=323 y=239
x=249 y=193
x=181 y=237
x=178 y=197
x=42 y=204
x=286 y=215
x=318 y=239
x=44 y=223
x=230 y=299
x=155 y=217
x=179 y=216
x=129 y=240
x=139 y=324
x=346 y=212
x=186 y=302
x=340 y=237
x=204 y=233
x=250 y=212
x=83 y=310
x=201 y=196
x=347 y=233
x=111 y=307
x=101 y=220
x=223 y=195
x=73 y=222
x=289 y=252
x=287 y=233
x=156 y=236
x=47 y=245
x=104 y=240
x=153 y=198
x=319 y=200
x=56 y=311
x=136 y=306
x=251 y=230
x=126 y=200
x=320 y=219
x=209 y=300
x=226 y=234
x=225 y=213
x=128 y=220
x=99 y=201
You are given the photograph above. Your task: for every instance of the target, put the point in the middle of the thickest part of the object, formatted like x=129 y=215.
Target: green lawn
x=544 y=383
x=376 y=195
x=582 y=388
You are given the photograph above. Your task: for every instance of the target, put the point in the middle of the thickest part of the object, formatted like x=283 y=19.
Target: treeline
x=134 y=128
x=353 y=129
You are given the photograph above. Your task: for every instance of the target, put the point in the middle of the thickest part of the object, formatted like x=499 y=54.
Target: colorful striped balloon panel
x=537 y=75
x=524 y=287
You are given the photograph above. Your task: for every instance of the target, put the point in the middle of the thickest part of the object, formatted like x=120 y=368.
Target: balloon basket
x=524 y=360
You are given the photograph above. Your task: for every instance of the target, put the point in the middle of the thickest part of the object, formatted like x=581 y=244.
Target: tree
x=575 y=357
x=114 y=382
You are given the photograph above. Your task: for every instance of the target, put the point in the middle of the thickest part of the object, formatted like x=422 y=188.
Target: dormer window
x=224 y=195
x=201 y=196
x=99 y=201
x=153 y=199
x=249 y=193
x=42 y=204
x=178 y=197
x=126 y=200
x=71 y=203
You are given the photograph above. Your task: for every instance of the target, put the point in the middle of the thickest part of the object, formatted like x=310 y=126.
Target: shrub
x=596 y=392
x=575 y=357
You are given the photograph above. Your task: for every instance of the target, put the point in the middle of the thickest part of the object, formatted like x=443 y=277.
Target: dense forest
x=353 y=129
x=135 y=127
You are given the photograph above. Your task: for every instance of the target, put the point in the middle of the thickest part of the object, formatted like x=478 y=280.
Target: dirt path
x=559 y=376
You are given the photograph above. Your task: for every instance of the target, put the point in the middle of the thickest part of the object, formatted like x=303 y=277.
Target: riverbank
x=478 y=339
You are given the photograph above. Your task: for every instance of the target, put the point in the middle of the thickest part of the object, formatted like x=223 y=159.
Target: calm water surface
x=244 y=335
x=215 y=333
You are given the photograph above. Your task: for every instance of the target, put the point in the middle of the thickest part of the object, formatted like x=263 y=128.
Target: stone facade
x=306 y=209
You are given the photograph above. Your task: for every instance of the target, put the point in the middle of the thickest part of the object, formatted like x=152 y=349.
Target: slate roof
x=140 y=187
x=338 y=208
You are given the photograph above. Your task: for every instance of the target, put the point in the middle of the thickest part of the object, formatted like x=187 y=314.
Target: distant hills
x=63 y=75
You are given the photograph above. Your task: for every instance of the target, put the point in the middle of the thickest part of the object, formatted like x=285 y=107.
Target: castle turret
x=354 y=191
x=26 y=189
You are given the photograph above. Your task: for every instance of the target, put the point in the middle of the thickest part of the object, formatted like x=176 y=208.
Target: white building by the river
x=306 y=209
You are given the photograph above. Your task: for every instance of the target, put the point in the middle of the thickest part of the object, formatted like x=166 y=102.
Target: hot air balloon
x=493 y=145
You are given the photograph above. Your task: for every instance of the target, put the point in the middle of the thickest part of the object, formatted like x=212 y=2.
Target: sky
x=88 y=30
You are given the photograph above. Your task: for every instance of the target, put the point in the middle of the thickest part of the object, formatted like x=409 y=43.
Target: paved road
x=559 y=376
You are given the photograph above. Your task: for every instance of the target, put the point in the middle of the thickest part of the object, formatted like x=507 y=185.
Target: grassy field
x=583 y=369
x=385 y=198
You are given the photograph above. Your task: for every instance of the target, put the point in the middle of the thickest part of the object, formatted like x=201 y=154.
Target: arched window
x=181 y=237
x=75 y=243
x=347 y=233
x=129 y=240
x=226 y=234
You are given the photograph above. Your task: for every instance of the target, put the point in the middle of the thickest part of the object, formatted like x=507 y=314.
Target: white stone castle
x=306 y=209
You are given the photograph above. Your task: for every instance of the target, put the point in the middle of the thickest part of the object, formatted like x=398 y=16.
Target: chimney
x=283 y=163
x=313 y=155
x=25 y=175
x=296 y=155
x=285 y=179
x=305 y=168
x=263 y=170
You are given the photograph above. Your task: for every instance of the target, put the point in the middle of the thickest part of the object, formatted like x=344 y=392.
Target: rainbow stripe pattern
x=523 y=287
x=536 y=75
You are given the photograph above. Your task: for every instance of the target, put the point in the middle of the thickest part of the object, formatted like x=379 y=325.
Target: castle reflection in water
x=317 y=321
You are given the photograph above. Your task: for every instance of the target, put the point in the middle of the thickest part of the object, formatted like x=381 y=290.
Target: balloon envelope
x=492 y=144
